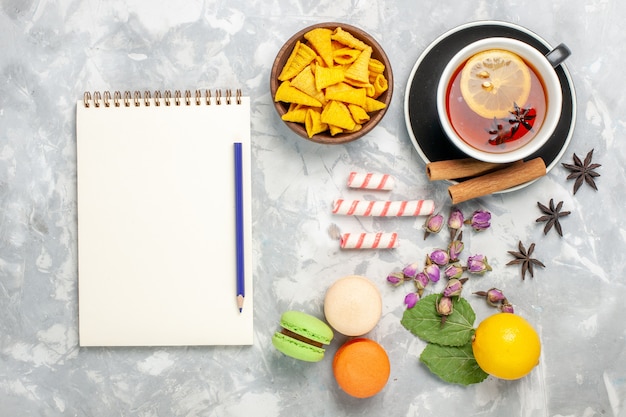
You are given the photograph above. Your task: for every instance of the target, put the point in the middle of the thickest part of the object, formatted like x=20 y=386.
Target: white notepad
x=156 y=219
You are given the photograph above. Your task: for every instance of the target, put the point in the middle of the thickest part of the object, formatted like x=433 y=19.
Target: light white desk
x=53 y=51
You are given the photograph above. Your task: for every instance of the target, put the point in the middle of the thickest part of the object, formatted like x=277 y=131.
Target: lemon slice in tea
x=493 y=80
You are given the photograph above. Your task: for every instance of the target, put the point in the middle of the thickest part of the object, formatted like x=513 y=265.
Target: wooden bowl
x=325 y=137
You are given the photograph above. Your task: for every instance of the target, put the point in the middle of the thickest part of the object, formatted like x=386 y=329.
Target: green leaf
x=453 y=364
x=424 y=322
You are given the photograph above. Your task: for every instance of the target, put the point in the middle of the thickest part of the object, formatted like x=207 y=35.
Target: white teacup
x=500 y=144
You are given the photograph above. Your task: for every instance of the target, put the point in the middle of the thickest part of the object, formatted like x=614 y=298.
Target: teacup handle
x=558 y=55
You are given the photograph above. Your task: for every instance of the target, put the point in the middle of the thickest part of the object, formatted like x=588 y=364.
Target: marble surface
x=53 y=51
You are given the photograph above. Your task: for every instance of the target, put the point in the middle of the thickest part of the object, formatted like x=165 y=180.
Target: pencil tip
x=240 y=302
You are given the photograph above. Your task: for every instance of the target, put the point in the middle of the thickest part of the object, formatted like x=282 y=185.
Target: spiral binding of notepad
x=158 y=98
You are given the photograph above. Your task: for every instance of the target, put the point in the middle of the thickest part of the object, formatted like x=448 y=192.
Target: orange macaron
x=361 y=367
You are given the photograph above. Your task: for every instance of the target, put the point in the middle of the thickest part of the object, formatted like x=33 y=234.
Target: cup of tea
x=499 y=99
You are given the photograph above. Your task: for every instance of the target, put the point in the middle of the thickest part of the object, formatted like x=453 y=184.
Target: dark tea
x=504 y=132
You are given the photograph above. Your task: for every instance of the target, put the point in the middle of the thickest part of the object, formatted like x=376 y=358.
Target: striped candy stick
x=370 y=181
x=369 y=240
x=383 y=208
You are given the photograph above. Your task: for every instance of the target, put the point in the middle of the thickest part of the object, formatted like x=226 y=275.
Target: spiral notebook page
x=156 y=223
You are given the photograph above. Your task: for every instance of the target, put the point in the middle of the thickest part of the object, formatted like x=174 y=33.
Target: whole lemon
x=506 y=346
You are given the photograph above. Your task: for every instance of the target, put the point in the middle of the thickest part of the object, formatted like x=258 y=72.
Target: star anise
x=521 y=117
x=583 y=171
x=499 y=134
x=552 y=215
x=524 y=257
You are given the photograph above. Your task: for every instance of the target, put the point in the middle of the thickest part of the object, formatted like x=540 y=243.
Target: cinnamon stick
x=461 y=168
x=514 y=175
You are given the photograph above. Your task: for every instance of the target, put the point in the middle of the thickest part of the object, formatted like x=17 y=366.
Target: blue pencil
x=239 y=239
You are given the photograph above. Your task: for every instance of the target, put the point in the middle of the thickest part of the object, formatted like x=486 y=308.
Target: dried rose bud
x=454 y=270
x=444 y=306
x=506 y=307
x=454 y=249
x=421 y=280
x=432 y=272
x=477 y=264
x=433 y=224
x=480 y=220
x=411 y=299
x=395 y=278
x=454 y=287
x=439 y=257
x=455 y=220
x=494 y=296
x=410 y=270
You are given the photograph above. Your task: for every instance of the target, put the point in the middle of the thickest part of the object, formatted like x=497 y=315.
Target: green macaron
x=302 y=336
